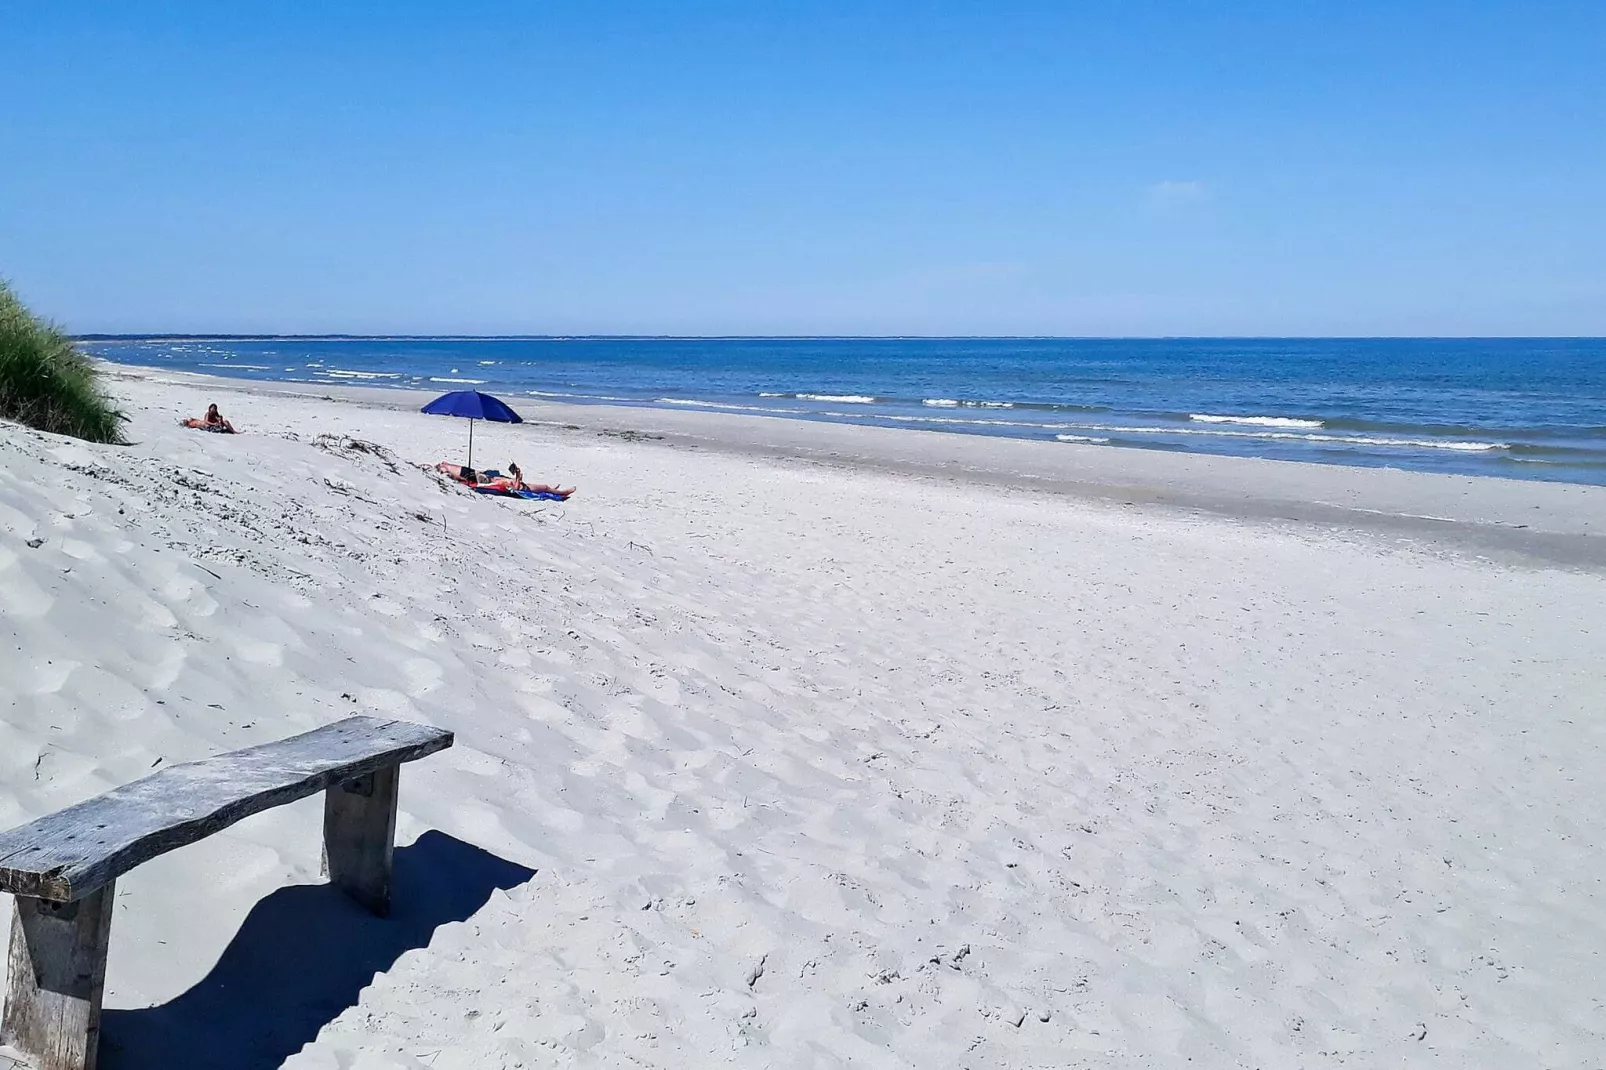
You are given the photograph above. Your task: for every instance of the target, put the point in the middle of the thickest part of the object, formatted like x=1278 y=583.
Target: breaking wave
x=1362 y=441
x=1257 y=421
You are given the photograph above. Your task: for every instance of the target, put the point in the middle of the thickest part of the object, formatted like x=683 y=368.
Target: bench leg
x=359 y=833
x=57 y=975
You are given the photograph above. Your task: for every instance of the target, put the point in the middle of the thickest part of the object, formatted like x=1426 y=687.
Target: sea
x=1531 y=408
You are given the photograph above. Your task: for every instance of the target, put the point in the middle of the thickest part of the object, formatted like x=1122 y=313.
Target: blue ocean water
x=1522 y=408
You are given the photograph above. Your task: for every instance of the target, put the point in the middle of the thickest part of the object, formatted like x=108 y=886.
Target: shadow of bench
x=63 y=867
x=301 y=957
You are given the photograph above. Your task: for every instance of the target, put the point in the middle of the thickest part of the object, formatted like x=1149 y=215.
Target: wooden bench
x=63 y=867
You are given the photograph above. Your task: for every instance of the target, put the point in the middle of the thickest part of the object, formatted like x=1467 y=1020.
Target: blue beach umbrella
x=472 y=405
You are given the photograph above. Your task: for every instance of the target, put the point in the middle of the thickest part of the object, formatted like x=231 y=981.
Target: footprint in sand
x=258 y=652
x=665 y=689
x=79 y=550
x=421 y=676
x=386 y=607
x=163 y=669
x=44 y=677
x=21 y=597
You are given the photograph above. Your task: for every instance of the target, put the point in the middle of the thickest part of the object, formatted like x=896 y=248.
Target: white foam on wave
x=1470 y=447
x=771 y=394
x=582 y=397
x=447 y=379
x=950 y=403
x=1258 y=421
x=1090 y=440
x=960 y=420
x=247 y=367
x=340 y=373
x=841 y=399
x=725 y=405
x=1342 y=440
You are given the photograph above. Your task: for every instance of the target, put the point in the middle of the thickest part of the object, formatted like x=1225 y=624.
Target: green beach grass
x=47 y=384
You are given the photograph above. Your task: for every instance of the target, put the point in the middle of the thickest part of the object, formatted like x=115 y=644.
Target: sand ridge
x=817 y=766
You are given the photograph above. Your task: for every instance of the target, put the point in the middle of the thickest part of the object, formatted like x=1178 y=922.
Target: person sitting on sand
x=212 y=421
x=515 y=481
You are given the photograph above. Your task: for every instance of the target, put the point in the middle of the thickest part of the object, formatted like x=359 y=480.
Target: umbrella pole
x=471 y=442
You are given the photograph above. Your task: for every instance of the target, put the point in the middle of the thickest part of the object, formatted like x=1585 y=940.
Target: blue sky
x=1119 y=168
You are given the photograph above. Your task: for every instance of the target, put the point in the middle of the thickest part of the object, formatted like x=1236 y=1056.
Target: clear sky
x=1115 y=168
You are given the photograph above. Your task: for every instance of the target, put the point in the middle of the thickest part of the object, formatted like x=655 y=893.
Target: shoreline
x=1514 y=521
x=1418 y=405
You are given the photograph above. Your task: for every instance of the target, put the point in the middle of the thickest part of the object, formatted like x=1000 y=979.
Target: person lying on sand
x=458 y=472
x=212 y=421
x=466 y=475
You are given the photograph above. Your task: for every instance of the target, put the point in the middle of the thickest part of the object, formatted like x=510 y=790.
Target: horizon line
x=162 y=336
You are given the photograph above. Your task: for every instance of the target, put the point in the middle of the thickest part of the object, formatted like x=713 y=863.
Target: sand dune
x=765 y=761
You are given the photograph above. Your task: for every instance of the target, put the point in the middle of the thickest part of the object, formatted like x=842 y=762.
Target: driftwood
x=63 y=867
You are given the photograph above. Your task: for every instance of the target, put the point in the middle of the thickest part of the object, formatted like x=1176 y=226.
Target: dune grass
x=46 y=383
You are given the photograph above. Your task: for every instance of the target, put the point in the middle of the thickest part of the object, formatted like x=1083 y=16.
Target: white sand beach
x=791 y=745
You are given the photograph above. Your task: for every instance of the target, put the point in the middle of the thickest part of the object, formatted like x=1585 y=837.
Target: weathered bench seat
x=63 y=867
